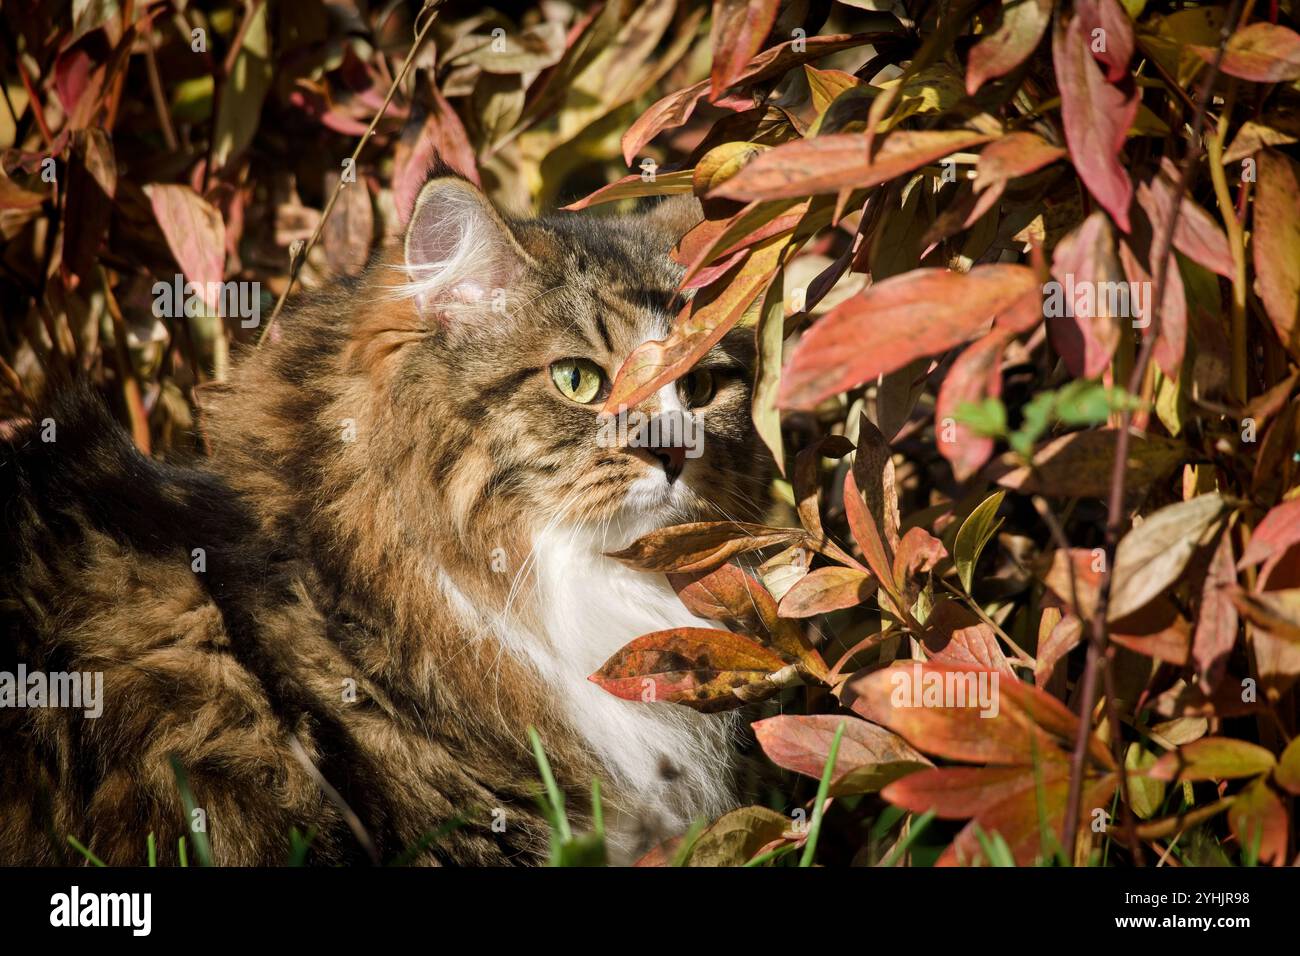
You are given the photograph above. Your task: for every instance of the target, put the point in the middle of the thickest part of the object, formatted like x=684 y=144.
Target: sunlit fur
x=427 y=515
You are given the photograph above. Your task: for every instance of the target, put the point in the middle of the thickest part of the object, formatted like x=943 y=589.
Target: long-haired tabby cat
x=390 y=567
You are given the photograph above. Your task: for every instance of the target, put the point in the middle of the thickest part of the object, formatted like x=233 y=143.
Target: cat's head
x=520 y=326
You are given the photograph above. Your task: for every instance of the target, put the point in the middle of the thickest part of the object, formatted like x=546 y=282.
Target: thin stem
x=1162 y=245
x=299 y=256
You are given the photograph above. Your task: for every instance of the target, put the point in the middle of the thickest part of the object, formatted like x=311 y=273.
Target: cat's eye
x=578 y=379
x=697 y=388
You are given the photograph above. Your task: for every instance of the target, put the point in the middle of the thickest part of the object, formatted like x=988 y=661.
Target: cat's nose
x=673 y=459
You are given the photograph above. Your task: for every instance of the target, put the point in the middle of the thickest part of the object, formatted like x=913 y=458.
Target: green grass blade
x=76 y=845
x=202 y=849
x=815 y=825
x=151 y=846
x=555 y=796
x=914 y=832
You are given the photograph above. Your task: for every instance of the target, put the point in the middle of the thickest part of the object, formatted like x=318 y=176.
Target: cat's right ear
x=459 y=251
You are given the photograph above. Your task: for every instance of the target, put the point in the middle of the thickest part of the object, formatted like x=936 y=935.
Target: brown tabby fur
x=323 y=557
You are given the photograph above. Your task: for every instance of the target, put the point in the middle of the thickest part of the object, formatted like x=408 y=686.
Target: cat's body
x=390 y=568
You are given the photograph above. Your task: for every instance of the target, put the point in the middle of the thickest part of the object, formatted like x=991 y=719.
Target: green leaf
x=240 y=109
x=1145 y=793
x=975 y=532
x=988 y=418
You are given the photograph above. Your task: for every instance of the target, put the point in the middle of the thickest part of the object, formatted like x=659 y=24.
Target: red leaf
x=959 y=793
x=675 y=108
x=938 y=709
x=867 y=532
x=1015 y=154
x=1276 y=244
x=1279 y=530
x=1096 y=116
x=1261 y=53
x=1080 y=324
x=1171 y=340
x=863 y=337
x=1019 y=30
x=975 y=375
x=869 y=757
x=1216 y=622
x=739 y=29
x=918 y=552
x=1115 y=37
x=1196 y=234
x=731 y=596
x=195 y=234
x=671 y=111
x=827 y=164
x=954 y=635
x=1017 y=819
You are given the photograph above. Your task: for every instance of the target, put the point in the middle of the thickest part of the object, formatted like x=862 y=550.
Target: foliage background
x=1097 y=509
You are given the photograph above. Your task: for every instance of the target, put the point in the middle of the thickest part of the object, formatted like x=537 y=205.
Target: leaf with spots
x=704 y=669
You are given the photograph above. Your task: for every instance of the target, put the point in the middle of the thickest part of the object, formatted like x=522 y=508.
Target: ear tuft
x=458 y=249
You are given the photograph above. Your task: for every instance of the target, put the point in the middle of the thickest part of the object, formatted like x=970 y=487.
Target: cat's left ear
x=459 y=250
x=674 y=216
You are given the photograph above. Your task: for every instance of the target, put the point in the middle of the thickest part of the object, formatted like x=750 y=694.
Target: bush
x=1025 y=284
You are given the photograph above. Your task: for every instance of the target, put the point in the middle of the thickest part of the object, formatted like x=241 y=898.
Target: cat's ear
x=674 y=216
x=459 y=251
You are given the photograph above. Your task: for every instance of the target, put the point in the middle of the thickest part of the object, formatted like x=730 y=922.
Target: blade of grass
x=913 y=834
x=90 y=857
x=184 y=854
x=409 y=855
x=202 y=849
x=772 y=854
x=687 y=845
x=151 y=846
x=555 y=796
x=815 y=825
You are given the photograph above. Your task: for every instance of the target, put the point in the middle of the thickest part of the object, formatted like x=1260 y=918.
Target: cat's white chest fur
x=675 y=763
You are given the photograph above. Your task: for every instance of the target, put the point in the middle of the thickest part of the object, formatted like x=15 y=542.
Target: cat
x=340 y=625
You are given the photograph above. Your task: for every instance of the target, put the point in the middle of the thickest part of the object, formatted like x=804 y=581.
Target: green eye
x=578 y=379
x=697 y=388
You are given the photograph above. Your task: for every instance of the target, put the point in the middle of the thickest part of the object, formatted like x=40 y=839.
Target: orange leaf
x=698 y=327
x=864 y=337
x=825 y=590
x=704 y=669
x=827 y=164
x=869 y=757
x=701 y=546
